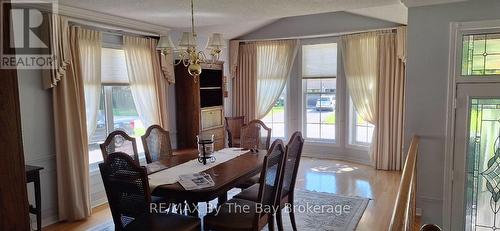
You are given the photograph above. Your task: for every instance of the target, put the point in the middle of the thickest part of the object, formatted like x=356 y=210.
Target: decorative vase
x=205 y=148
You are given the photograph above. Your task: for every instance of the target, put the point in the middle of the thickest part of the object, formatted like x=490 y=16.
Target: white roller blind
x=113 y=66
x=319 y=60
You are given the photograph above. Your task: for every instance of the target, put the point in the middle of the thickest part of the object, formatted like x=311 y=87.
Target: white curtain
x=360 y=56
x=274 y=63
x=90 y=61
x=141 y=77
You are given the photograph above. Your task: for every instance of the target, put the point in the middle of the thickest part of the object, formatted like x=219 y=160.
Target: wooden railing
x=403 y=216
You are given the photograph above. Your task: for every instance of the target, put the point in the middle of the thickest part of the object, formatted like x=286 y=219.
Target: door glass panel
x=483 y=166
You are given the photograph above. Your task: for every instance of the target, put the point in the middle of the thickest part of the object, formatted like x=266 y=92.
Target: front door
x=476 y=170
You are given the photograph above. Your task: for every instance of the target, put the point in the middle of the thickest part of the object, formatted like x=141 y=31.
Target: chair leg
x=291 y=213
x=270 y=223
x=279 y=220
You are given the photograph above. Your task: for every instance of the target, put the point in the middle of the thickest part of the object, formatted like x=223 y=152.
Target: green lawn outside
x=277 y=109
x=330 y=119
x=124 y=112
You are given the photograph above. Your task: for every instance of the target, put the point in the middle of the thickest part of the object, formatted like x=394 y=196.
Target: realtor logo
x=29 y=45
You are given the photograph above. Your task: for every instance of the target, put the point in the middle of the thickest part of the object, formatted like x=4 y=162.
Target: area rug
x=314 y=211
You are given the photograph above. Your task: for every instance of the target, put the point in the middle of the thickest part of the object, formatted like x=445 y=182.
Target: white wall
x=38 y=139
x=426 y=91
x=317 y=25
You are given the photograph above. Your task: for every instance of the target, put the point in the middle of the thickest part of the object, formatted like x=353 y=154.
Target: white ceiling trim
x=415 y=3
x=112 y=22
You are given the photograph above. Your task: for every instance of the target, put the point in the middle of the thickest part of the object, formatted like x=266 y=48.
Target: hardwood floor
x=320 y=175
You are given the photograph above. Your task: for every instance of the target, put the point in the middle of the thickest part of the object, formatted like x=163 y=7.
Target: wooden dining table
x=226 y=176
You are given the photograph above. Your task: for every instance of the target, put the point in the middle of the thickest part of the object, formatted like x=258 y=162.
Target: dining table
x=226 y=175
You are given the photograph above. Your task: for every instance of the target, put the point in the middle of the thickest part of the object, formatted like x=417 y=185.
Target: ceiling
x=236 y=17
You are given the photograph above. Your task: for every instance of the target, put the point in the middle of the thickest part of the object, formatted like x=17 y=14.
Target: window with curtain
x=361 y=132
x=275 y=119
x=117 y=110
x=319 y=73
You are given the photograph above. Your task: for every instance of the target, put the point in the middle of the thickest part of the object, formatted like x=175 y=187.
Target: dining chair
x=156 y=142
x=230 y=218
x=251 y=135
x=251 y=138
x=127 y=189
x=233 y=128
x=294 y=152
x=120 y=141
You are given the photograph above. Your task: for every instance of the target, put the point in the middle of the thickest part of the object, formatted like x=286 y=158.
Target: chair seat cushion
x=251 y=193
x=169 y=221
x=231 y=216
x=249 y=182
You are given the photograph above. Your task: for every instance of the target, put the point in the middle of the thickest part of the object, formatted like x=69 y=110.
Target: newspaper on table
x=196 y=181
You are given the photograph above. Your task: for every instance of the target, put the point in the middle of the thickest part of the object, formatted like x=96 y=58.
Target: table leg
x=192 y=209
x=222 y=199
x=38 y=202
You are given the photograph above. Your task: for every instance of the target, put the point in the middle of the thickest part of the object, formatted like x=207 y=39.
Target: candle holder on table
x=205 y=148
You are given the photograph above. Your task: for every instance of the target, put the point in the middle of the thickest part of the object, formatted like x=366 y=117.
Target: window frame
x=337 y=142
x=110 y=42
x=351 y=128
x=285 y=119
x=334 y=141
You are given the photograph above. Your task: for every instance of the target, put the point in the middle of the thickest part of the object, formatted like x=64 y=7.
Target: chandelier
x=187 y=51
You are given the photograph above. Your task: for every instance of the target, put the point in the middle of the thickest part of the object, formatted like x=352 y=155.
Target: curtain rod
x=100 y=25
x=110 y=28
x=320 y=36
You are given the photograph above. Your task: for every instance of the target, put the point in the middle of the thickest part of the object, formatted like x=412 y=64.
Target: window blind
x=319 y=60
x=113 y=66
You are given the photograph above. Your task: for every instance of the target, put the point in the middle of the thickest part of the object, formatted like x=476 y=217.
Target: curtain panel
x=234 y=48
x=90 y=63
x=58 y=34
x=391 y=98
x=262 y=72
x=70 y=119
x=162 y=79
x=375 y=74
x=360 y=56
x=245 y=83
x=141 y=74
x=274 y=63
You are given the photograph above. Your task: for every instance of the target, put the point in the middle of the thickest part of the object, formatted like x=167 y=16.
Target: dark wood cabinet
x=199 y=105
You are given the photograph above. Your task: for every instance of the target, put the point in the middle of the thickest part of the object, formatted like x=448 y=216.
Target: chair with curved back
x=251 y=135
x=233 y=128
x=127 y=189
x=229 y=218
x=294 y=153
x=156 y=142
x=251 y=138
x=120 y=141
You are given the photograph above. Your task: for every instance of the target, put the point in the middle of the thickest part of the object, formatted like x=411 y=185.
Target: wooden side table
x=33 y=175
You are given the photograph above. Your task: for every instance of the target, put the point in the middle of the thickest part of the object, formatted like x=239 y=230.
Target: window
x=319 y=72
x=117 y=109
x=481 y=54
x=275 y=119
x=360 y=130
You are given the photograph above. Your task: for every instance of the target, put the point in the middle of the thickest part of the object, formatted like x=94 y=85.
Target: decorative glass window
x=481 y=54
x=483 y=166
